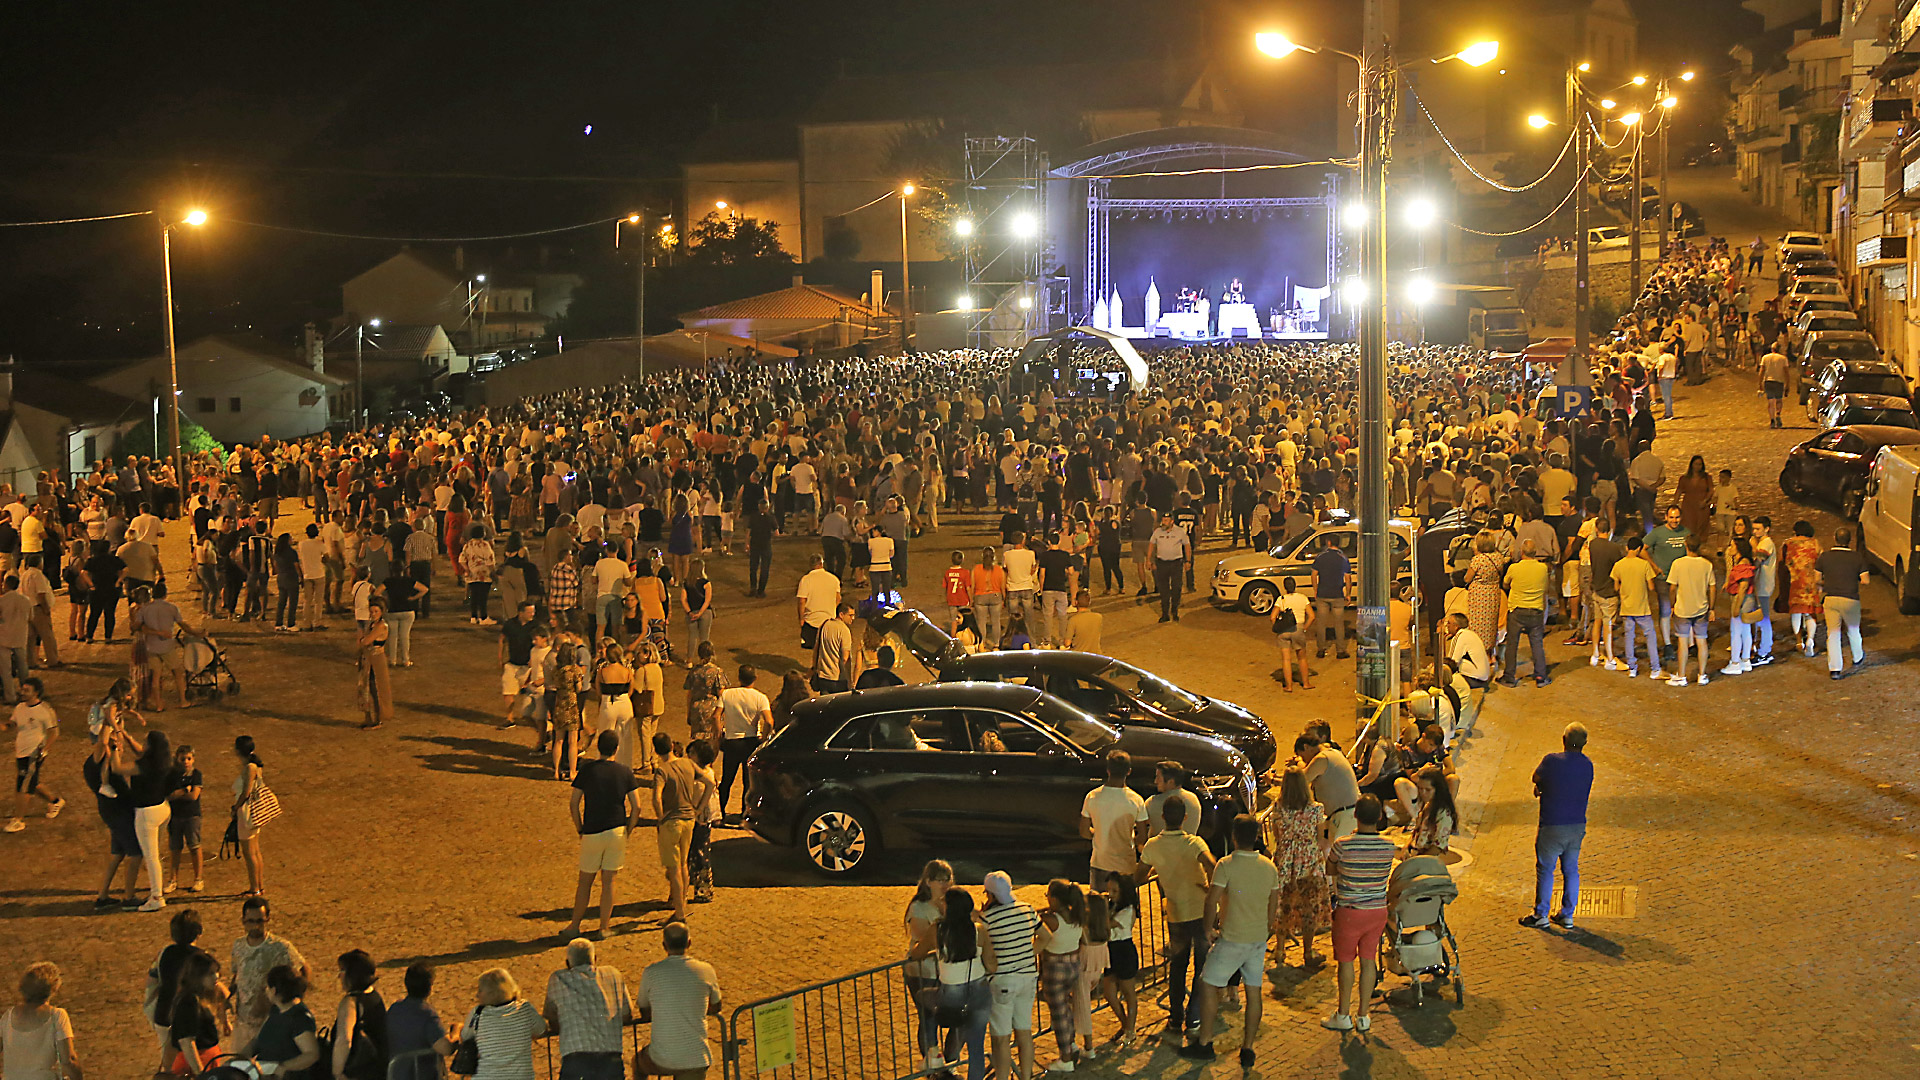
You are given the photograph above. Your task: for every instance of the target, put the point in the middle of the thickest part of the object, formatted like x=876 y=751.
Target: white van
x=1889 y=528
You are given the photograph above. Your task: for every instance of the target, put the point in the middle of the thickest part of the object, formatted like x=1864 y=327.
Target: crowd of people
x=578 y=531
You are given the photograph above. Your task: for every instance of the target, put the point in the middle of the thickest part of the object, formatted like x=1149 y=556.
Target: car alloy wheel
x=1259 y=598
x=1790 y=482
x=837 y=840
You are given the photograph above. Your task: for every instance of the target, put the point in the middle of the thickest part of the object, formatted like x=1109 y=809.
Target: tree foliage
x=720 y=240
x=139 y=439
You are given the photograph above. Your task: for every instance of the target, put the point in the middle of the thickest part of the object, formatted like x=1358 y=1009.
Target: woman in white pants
x=616 y=699
x=1740 y=573
x=149 y=777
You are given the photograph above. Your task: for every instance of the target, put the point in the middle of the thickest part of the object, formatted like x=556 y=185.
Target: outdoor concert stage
x=1197 y=234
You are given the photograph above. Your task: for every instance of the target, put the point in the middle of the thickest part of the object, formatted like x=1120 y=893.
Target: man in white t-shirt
x=819 y=597
x=1690 y=581
x=610 y=574
x=1468 y=653
x=746 y=717
x=1023 y=579
x=1114 y=817
x=804 y=480
x=34 y=730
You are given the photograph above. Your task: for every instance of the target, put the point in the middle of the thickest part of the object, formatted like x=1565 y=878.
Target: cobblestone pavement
x=1766 y=822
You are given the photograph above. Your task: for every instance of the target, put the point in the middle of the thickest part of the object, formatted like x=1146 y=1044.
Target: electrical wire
x=73 y=221
x=427 y=239
x=1549 y=216
x=1483 y=177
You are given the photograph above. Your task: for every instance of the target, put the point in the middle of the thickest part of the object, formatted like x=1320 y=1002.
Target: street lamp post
x=1367 y=292
x=360 y=373
x=195 y=218
x=906 y=278
x=638 y=220
x=1582 y=264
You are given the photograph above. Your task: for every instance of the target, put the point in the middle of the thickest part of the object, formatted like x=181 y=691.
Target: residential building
x=393 y=363
x=482 y=305
x=1787 y=93
x=237 y=386
x=49 y=424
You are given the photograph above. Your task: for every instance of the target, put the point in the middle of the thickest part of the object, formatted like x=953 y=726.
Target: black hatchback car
x=1113 y=690
x=960 y=765
x=1834 y=464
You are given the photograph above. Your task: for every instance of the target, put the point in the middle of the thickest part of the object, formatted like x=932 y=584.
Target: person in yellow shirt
x=1526 y=583
x=1633 y=578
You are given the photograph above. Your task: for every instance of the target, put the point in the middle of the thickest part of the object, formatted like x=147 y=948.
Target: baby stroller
x=205 y=664
x=1418 y=943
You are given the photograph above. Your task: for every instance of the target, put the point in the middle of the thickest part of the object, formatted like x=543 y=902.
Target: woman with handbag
x=496 y=1043
x=964 y=950
x=360 y=1022
x=254 y=804
x=924 y=911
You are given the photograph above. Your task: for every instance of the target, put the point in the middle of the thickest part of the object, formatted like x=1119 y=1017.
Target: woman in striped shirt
x=505 y=1026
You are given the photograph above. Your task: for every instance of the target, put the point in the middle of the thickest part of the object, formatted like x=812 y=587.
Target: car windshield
x=1075 y=725
x=1151 y=689
x=1890 y=417
x=1891 y=385
x=1503 y=321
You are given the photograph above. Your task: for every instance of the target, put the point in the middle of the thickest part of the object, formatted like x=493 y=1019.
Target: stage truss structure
x=1005 y=200
x=1101 y=208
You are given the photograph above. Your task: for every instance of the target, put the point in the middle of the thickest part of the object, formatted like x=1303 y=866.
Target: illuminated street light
x=1025 y=224
x=633 y=219
x=1639 y=80
x=195 y=217
x=1478 y=54
x=1538 y=121
x=1630 y=119
x=1608 y=103
x=906 y=189
x=1584 y=66
x=963 y=227
x=1686 y=76
x=1277 y=45
x=1420 y=290
x=1421 y=213
x=1669 y=101
x=719 y=204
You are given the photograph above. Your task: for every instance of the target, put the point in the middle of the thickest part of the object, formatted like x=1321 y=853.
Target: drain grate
x=1608 y=901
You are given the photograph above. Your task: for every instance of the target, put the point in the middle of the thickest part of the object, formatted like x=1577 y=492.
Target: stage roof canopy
x=1221 y=146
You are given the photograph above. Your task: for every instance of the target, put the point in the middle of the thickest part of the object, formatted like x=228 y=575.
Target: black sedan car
x=1833 y=465
x=1113 y=690
x=959 y=766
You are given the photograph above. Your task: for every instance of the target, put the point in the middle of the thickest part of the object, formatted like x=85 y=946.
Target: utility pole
x=1582 y=267
x=1636 y=206
x=640 y=300
x=1664 y=211
x=173 y=359
x=1377 y=89
x=359 y=377
x=906 y=278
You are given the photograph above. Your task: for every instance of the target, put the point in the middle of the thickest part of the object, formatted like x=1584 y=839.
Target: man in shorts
x=605 y=807
x=34 y=730
x=1773 y=379
x=158 y=622
x=1360 y=863
x=1011 y=924
x=1691 y=583
x=1243 y=910
x=679 y=789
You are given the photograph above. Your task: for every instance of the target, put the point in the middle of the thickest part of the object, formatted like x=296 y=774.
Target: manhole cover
x=1608 y=901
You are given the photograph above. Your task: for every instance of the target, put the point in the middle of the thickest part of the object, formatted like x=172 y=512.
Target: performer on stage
x=1235 y=294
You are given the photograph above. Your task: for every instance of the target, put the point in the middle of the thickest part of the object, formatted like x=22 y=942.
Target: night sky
x=442 y=118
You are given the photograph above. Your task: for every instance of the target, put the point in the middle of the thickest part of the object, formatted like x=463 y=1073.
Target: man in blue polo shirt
x=1561 y=783
x=1331 y=569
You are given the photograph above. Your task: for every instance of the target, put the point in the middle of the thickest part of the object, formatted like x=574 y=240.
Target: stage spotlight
x=1025 y=224
x=1026 y=304
x=1354 y=290
x=1420 y=291
x=963 y=227
x=1421 y=212
x=1354 y=215
x=965 y=303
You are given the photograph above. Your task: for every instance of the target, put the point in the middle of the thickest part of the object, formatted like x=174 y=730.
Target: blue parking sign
x=1572 y=401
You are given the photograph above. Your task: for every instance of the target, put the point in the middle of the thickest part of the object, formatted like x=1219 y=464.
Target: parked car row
x=999 y=751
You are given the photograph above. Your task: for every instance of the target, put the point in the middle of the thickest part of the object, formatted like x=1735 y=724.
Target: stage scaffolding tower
x=1005 y=204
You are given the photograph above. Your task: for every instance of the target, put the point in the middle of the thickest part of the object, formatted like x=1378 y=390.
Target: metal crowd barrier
x=863 y=1026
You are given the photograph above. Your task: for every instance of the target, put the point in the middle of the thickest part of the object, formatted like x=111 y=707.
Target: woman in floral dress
x=1484 y=593
x=1294 y=827
x=1798 y=553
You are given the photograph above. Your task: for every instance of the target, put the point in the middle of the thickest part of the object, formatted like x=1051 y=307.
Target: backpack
x=1284 y=620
